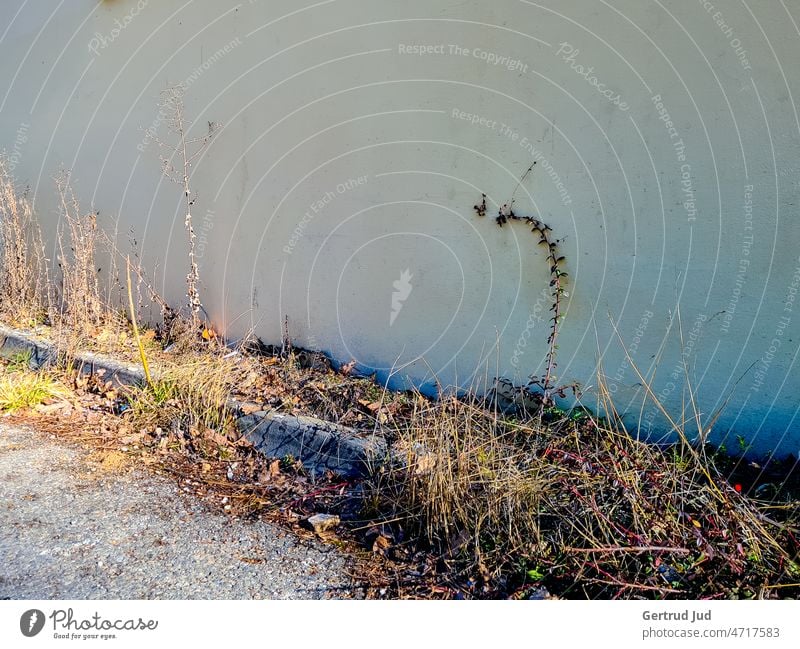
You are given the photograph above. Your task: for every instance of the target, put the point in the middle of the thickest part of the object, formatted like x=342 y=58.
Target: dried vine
x=545 y=382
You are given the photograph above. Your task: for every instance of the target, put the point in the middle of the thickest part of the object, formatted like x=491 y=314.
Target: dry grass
x=503 y=503
x=73 y=310
x=469 y=478
x=188 y=394
x=81 y=308
x=23 y=267
x=582 y=507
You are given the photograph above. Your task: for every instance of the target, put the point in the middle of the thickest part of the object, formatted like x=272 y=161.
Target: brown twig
x=644 y=548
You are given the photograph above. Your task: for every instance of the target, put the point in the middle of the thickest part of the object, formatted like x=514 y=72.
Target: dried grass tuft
x=582 y=507
x=24 y=286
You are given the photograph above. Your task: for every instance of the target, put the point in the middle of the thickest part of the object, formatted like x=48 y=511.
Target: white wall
x=321 y=101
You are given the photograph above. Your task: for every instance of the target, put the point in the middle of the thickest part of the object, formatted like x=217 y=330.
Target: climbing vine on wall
x=558 y=278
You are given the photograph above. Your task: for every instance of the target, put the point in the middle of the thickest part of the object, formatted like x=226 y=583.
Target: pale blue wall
x=317 y=95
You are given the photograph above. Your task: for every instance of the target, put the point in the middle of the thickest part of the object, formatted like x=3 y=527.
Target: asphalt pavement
x=71 y=530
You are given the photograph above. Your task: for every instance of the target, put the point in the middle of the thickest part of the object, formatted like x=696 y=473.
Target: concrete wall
x=358 y=135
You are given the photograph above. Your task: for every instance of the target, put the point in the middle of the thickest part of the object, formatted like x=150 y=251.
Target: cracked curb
x=320 y=445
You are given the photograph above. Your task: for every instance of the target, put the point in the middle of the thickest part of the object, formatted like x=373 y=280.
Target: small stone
x=540 y=592
x=322 y=522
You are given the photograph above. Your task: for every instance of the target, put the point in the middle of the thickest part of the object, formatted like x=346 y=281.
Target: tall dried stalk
x=81 y=306
x=136 y=336
x=186 y=150
x=24 y=285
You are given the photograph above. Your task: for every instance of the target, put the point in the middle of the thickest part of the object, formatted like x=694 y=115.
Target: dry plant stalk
x=187 y=150
x=135 y=326
x=24 y=285
x=81 y=306
x=168 y=314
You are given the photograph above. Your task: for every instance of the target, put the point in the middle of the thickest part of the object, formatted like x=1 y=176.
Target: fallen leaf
x=248 y=408
x=274 y=468
x=215 y=437
x=52 y=407
x=424 y=464
x=381 y=544
x=135 y=438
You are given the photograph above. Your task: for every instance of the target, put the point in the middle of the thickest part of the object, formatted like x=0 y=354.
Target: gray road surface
x=69 y=533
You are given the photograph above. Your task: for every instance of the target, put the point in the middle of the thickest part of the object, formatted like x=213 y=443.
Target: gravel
x=71 y=530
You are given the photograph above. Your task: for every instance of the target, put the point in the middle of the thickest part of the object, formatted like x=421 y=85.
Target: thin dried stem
x=187 y=150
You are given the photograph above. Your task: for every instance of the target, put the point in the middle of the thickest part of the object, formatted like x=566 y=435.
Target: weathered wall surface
x=359 y=134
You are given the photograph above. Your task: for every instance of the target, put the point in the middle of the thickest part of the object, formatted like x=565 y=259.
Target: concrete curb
x=320 y=445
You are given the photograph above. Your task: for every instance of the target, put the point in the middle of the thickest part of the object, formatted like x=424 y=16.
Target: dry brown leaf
x=381 y=544
x=135 y=438
x=274 y=468
x=215 y=437
x=51 y=407
x=248 y=408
